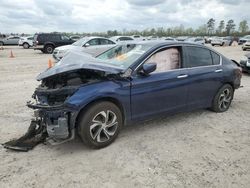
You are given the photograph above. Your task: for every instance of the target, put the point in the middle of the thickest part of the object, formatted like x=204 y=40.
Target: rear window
x=198 y=57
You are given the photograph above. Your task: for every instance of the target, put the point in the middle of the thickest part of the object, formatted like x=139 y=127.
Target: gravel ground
x=196 y=149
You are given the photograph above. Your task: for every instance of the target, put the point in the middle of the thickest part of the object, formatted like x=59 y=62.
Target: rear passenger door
x=205 y=76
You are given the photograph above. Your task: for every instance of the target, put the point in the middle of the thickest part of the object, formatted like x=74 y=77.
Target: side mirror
x=147 y=68
x=86 y=45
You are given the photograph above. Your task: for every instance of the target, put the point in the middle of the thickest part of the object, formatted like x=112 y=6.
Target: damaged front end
x=54 y=119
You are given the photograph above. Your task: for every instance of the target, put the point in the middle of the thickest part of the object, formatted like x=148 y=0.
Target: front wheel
x=49 y=49
x=26 y=45
x=223 y=98
x=99 y=126
x=1 y=43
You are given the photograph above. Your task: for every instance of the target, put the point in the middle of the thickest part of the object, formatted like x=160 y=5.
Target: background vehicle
x=129 y=83
x=246 y=45
x=121 y=38
x=75 y=37
x=170 y=39
x=244 y=39
x=26 y=42
x=220 y=41
x=89 y=45
x=245 y=63
x=11 y=40
x=47 y=42
x=197 y=40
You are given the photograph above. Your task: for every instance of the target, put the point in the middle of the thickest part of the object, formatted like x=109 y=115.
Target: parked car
x=75 y=37
x=121 y=38
x=245 y=63
x=170 y=39
x=220 y=41
x=89 y=45
x=95 y=97
x=246 y=45
x=11 y=40
x=47 y=42
x=197 y=40
x=26 y=42
x=138 y=37
x=244 y=39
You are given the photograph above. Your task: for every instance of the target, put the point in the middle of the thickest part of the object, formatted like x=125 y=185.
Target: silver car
x=220 y=41
x=90 y=45
x=197 y=40
x=11 y=40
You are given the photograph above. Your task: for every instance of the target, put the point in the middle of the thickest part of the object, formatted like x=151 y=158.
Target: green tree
x=221 y=26
x=230 y=27
x=210 y=26
x=243 y=26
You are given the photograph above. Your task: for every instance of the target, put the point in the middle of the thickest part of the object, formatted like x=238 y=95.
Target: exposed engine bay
x=54 y=120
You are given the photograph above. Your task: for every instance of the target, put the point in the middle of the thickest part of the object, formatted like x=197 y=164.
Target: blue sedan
x=131 y=82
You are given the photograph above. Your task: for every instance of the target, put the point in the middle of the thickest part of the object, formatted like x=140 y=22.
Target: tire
x=222 y=44
x=1 y=43
x=93 y=128
x=26 y=45
x=223 y=99
x=212 y=44
x=48 y=49
x=244 y=49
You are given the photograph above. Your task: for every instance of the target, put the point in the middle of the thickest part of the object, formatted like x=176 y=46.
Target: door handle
x=182 y=76
x=218 y=70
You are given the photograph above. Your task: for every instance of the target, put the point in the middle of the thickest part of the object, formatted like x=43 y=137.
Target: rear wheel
x=223 y=98
x=100 y=124
x=26 y=45
x=48 y=49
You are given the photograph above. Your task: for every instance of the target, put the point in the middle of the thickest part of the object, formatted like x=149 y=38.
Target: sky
x=30 y=16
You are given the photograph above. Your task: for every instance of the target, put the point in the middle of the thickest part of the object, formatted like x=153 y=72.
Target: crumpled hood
x=75 y=60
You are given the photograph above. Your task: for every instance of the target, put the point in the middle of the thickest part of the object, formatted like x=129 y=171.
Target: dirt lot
x=196 y=149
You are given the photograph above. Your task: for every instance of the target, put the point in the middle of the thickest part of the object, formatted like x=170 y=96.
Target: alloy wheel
x=104 y=126
x=225 y=99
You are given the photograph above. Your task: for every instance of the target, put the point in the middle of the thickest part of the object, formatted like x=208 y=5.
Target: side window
x=94 y=42
x=166 y=59
x=65 y=37
x=216 y=58
x=30 y=38
x=105 y=42
x=125 y=38
x=198 y=57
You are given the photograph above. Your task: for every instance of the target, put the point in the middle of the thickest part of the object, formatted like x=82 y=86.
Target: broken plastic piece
x=34 y=136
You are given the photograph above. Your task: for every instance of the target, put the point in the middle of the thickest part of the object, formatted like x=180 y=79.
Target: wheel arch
x=101 y=99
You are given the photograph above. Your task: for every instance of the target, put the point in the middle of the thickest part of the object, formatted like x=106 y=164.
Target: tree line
x=208 y=29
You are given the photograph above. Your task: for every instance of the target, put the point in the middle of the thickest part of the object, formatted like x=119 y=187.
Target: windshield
x=80 y=42
x=123 y=56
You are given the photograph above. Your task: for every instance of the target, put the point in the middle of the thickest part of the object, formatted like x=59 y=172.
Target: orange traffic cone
x=11 y=54
x=50 y=64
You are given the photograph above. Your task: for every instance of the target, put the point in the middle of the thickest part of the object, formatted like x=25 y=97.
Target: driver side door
x=162 y=91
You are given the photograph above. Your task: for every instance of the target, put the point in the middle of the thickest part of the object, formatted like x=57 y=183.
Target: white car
x=26 y=42
x=90 y=45
x=246 y=45
x=197 y=40
x=220 y=41
x=121 y=38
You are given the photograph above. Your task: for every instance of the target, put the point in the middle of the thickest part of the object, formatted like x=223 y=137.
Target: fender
x=117 y=90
